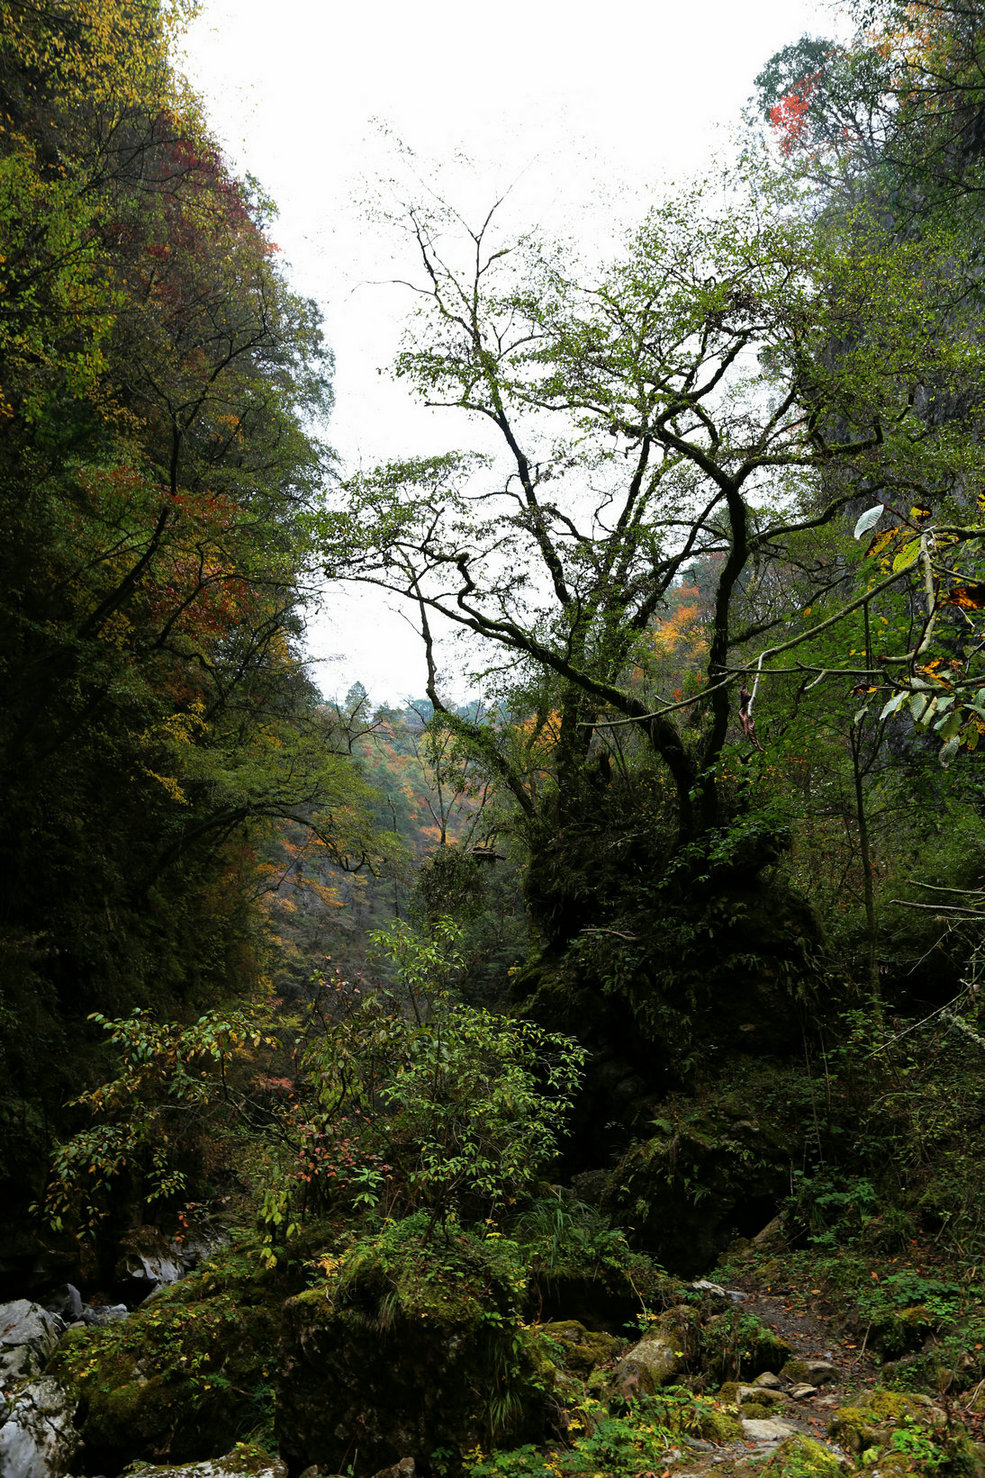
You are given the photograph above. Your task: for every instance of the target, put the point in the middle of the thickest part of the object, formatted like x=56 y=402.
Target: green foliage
x=457 y=1112
x=619 y=1444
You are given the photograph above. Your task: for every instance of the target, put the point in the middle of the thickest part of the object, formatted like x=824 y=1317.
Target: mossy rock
x=716 y=1424
x=740 y=1166
x=411 y=1344
x=183 y=1379
x=802 y=1457
x=871 y=1421
x=580 y=1350
x=245 y=1461
x=738 y=1346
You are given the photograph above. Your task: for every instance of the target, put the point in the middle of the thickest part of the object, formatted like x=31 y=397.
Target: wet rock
x=38 y=1437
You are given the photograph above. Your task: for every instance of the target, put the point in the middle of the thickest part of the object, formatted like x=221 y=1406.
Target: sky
x=581 y=115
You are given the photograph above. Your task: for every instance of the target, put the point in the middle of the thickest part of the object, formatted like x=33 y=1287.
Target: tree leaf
x=868 y=520
x=894 y=705
x=907 y=556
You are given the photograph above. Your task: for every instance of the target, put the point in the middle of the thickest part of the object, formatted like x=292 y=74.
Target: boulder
x=38 y=1437
x=805 y=1457
x=740 y=1163
x=66 y=1302
x=660 y=1356
x=245 y=1461
x=28 y=1335
x=367 y=1380
x=810 y=1372
x=768 y=1429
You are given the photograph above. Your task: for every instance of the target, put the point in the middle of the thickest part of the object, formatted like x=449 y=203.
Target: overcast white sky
x=574 y=106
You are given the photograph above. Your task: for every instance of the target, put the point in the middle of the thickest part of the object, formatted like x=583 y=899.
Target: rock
x=802 y=1391
x=245 y=1461
x=38 y=1438
x=406 y=1468
x=148 y=1261
x=660 y=1355
x=66 y=1302
x=651 y=1363
x=28 y=1335
x=771 y=1232
x=769 y=1380
x=581 y=1350
x=805 y=1457
x=769 y=1429
x=396 y=1365
x=703 y=1286
x=97 y=1317
x=811 y=1372
x=759 y=1395
x=876 y=1414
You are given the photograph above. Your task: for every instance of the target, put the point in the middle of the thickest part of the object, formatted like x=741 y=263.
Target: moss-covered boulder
x=577 y=1349
x=411 y=1342
x=904 y=1434
x=686 y=1188
x=802 y=1457
x=184 y=1378
x=665 y=1352
x=736 y=1346
x=245 y=1461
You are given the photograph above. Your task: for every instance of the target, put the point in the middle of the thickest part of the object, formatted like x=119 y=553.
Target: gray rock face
x=38 y=1438
x=28 y=1335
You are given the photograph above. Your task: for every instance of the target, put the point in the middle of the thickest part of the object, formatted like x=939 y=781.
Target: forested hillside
x=489 y=1086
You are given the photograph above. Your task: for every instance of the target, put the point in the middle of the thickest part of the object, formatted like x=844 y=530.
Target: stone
x=806 y=1458
x=104 y=1314
x=802 y=1391
x=769 y=1380
x=582 y=1351
x=660 y=1355
x=811 y=1372
x=38 y=1437
x=651 y=1363
x=406 y=1468
x=761 y=1395
x=704 y=1286
x=245 y=1461
x=28 y=1335
x=768 y=1429
x=66 y=1302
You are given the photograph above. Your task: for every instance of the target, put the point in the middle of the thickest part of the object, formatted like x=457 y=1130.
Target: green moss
x=578 y=1349
x=183 y=1378
x=800 y=1457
